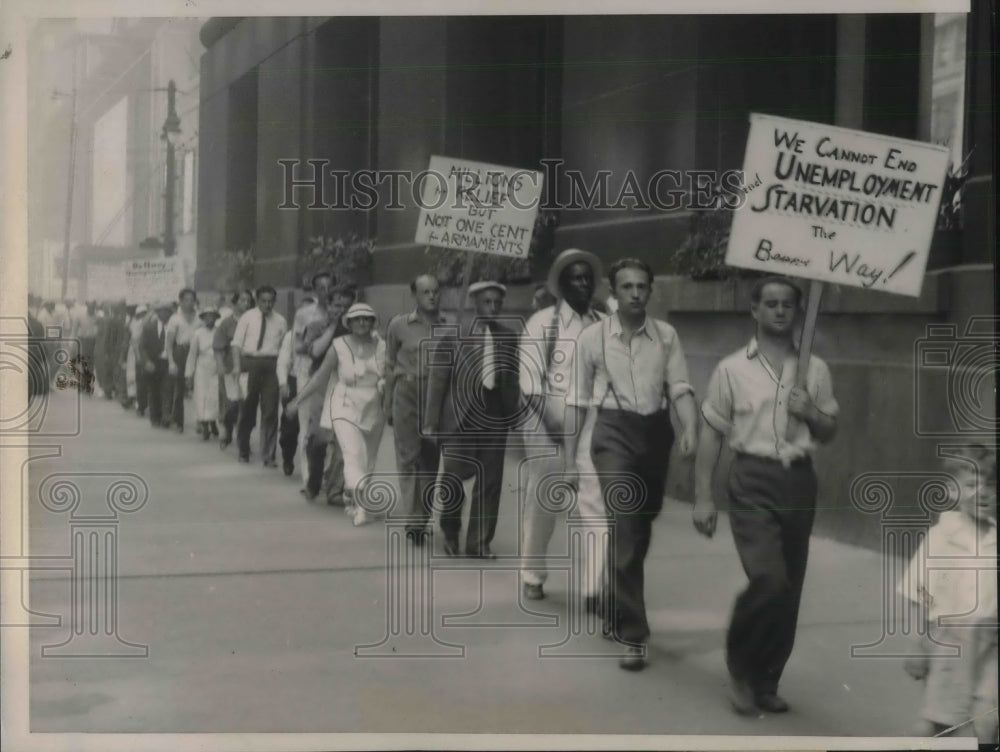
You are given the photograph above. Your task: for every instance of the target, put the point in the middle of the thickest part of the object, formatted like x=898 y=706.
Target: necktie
x=489 y=377
x=263 y=325
x=159 y=335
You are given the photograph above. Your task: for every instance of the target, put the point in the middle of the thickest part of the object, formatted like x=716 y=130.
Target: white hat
x=564 y=259
x=209 y=310
x=360 y=311
x=141 y=308
x=478 y=287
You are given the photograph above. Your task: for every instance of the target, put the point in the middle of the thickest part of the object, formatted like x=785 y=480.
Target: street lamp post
x=171 y=128
x=69 y=190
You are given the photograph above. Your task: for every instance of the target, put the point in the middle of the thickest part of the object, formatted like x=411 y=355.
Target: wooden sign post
x=808 y=331
x=806 y=341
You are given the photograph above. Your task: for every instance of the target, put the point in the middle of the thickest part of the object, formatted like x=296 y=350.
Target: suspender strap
x=604 y=357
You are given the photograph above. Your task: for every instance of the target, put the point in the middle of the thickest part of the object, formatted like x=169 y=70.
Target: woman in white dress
x=201 y=373
x=131 y=375
x=354 y=369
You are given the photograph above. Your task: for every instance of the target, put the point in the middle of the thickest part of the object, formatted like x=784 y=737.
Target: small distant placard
x=473 y=206
x=837 y=205
x=151 y=280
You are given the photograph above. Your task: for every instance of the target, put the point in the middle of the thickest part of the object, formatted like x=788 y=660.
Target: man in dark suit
x=472 y=399
x=153 y=360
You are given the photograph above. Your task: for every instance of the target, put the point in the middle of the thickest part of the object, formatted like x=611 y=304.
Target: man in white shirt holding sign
x=752 y=398
x=255 y=350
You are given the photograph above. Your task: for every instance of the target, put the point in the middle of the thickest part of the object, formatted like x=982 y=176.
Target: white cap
x=478 y=287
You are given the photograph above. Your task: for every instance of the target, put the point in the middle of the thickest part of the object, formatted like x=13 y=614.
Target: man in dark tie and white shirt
x=255 y=350
x=472 y=399
x=152 y=352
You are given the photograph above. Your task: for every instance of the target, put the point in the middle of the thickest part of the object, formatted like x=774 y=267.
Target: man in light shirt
x=631 y=367
x=180 y=332
x=773 y=423
x=405 y=400
x=545 y=361
x=256 y=343
x=230 y=389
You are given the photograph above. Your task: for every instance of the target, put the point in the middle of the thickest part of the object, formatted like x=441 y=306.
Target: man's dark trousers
x=479 y=456
x=333 y=459
x=230 y=410
x=417 y=456
x=262 y=390
x=141 y=387
x=315 y=459
x=288 y=428
x=771 y=515
x=155 y=384
x=173 y=392
x=630 y=453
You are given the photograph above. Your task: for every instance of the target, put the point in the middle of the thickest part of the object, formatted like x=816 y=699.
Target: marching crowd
x=586 y=392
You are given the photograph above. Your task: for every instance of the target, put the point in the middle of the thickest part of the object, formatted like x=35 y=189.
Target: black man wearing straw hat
x=546 y=356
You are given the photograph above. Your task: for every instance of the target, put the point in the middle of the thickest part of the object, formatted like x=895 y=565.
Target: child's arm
x=917 y=664
x=914 y=589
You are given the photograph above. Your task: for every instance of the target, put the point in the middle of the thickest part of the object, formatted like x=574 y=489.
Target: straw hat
x=564 y=259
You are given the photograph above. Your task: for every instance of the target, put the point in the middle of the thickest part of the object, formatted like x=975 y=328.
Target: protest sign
x=474 y=206
x=837 y=205
x=149 y=281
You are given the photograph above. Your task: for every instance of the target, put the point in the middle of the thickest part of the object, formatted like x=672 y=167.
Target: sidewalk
x=253 y=603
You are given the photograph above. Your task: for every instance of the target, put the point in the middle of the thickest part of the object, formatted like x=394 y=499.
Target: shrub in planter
x=235 y=269
x=703 y=252
x=348 y=258
x=702 y=255
x=952 y=192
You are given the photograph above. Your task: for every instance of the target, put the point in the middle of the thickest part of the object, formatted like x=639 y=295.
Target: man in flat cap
x=471 y=402
x=546 y=356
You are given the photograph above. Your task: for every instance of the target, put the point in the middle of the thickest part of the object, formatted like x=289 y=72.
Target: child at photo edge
x=957 y=602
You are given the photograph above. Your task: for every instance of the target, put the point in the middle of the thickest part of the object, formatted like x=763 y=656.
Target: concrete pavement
x=252 y=603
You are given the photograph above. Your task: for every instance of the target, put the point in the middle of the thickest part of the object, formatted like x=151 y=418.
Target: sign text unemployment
x=473 y=206
x=837 y=205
